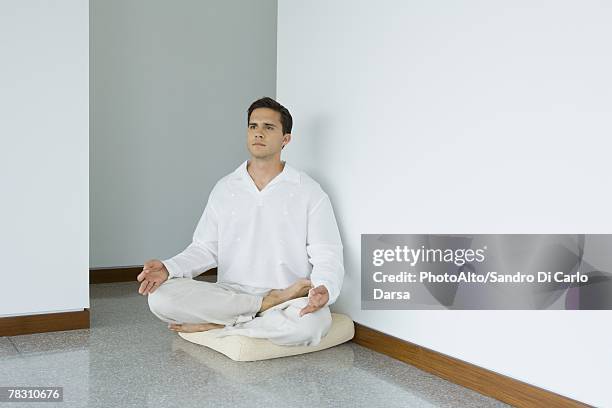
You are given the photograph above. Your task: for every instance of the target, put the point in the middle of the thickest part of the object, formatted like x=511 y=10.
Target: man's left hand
x=317 y=298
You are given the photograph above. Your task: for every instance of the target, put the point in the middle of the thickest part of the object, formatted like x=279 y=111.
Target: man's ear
x=288 y=137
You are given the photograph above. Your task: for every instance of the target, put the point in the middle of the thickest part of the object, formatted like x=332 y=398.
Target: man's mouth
x=258 y=144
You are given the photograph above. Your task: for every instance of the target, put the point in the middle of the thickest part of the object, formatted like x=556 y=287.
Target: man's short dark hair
x=286 y=119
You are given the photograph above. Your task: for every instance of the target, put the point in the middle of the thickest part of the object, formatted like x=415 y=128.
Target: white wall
x=44 y=126
x=461 y=117
x=170 y=88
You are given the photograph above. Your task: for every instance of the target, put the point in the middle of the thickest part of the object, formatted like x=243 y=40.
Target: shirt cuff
x=173 y=269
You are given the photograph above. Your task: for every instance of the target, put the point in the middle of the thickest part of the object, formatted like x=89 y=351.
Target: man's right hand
x=153 y=274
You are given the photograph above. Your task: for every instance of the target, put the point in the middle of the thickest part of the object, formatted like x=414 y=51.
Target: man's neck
x=263 y=171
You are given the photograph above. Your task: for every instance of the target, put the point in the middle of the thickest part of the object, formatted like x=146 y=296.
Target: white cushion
x=242 y=348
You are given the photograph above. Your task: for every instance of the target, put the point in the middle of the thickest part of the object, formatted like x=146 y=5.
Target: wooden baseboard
x=41 y=323
x=126 y=274
x=481 y=380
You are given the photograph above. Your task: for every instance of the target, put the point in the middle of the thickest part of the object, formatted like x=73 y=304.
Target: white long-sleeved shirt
x=268 y=238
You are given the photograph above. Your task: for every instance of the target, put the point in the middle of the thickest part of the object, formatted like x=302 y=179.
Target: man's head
x=268 y=128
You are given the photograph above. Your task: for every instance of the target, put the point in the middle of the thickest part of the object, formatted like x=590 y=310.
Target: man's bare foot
x=193 y=327
x=278 y=296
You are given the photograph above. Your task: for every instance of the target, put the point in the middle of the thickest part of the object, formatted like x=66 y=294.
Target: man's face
x=265 y=133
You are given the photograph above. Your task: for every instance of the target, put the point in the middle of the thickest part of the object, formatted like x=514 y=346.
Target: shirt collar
x=289 y=174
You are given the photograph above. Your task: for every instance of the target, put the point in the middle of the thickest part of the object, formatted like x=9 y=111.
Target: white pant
x=185 y=300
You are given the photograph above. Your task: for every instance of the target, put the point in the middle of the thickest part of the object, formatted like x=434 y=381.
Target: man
x=271 y=232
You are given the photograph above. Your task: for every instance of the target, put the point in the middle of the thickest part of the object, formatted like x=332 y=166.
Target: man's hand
x=317 y=298
x=153 y=274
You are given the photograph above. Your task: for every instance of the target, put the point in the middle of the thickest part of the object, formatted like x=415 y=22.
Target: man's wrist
x=171 y=268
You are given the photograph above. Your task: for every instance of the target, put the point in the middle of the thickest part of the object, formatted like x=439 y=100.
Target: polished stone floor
x=129 y=358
